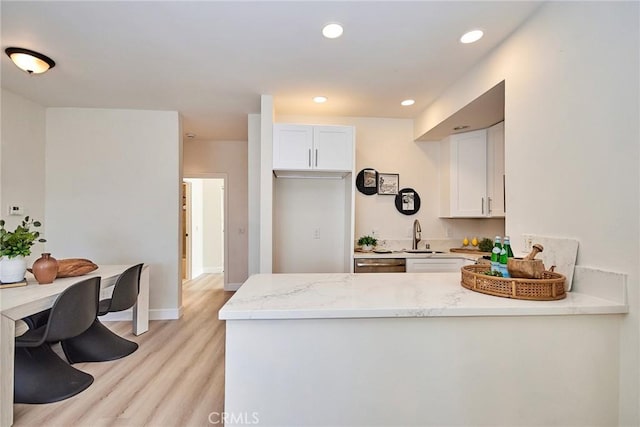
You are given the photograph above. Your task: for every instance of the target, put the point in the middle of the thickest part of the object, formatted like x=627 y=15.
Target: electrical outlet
x=528 y=243
x=316 y=233
x=15 y=210
x=448 y=232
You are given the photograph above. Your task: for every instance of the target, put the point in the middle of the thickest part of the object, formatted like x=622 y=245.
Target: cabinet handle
x=504 y=195
x=316 y=157
x=309 y=157
x=489 y=205
x=482 y=205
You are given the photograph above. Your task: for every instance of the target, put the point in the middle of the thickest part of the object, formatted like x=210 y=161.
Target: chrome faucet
x=416 y=234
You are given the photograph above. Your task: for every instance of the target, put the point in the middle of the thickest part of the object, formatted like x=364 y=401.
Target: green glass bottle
x=495 y=255
x=504 y=256
x=507 y=243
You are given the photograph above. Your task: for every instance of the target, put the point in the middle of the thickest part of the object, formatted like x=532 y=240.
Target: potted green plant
x=367 y=243
x=14 y=247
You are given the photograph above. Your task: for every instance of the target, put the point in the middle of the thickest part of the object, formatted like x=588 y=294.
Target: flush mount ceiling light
x=320 y=99
x=332 y=30
x=471 y=36
x=30 y=61
x=407 y=102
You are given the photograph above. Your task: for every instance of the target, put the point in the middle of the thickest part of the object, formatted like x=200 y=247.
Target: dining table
x=19 y=302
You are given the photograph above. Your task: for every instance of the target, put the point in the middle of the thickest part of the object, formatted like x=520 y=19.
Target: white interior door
x=208 y=219
x=221 y=225
x=186 y=231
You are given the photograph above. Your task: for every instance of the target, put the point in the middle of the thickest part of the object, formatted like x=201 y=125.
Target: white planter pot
x=12 y=269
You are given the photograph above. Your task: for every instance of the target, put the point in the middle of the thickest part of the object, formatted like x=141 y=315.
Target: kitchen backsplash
x=559 y=251
x=434 y=244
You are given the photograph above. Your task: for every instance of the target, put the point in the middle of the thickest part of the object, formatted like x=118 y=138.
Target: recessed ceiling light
x=407 y=102
x=332 y=31
x=320 y=99
x=461 y=127
x=190 y=135
x=471 y=36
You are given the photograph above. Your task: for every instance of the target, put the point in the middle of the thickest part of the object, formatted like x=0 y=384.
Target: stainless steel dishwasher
x=380 y=265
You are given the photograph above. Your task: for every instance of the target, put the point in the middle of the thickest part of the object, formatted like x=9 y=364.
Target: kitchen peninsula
x=418 y=349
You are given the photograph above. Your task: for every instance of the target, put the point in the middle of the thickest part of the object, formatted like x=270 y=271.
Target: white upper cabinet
x=333 y=148
x=472 y=174
x=292 y=147
x=318 y=148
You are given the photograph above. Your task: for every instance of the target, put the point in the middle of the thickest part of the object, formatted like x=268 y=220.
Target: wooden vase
x=45 y=269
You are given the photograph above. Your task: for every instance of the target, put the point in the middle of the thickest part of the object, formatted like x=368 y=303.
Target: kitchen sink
x=422 y=251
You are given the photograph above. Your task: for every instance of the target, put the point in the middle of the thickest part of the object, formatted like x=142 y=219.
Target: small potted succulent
x=367 y=243
x=14 y=247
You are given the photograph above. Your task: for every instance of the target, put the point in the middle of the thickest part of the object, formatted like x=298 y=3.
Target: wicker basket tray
x=550 y=287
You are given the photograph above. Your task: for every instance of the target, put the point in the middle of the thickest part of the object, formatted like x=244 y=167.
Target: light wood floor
x=175 y=378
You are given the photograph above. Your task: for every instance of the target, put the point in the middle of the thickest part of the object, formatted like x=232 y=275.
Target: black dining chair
x=40 y=375
x=98 y=343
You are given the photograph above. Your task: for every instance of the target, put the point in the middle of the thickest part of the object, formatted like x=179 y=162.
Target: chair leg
x=97 y=344
x=43 y=377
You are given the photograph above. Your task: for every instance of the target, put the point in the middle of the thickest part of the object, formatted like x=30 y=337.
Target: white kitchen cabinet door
x=434 y=265
x=495 y=171
x=307 y=147
x=468 y=174
x=292 y=147
x=333 y=148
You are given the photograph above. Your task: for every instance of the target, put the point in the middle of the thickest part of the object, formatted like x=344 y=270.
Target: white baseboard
x=154 y=314
x=232 y=286
x=213 y=270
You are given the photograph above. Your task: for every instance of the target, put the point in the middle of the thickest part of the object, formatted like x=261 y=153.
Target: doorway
x=204 y=232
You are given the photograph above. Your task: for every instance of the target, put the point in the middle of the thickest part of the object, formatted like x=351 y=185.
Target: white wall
x=229 y=157
x=571 y=136
x=266 y=183
x=300 y=208
x=387 y=145
x=22 y=162
x=113 y=192
x=213 y=220
x=253 y=184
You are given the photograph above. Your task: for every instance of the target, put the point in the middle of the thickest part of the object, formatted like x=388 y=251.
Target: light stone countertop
x=343 y=295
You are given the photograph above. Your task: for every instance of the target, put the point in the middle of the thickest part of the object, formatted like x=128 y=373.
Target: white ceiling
x=211 y=61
